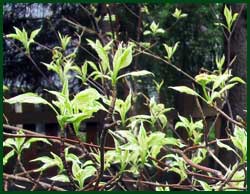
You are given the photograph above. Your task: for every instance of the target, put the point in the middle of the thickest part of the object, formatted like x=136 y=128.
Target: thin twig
x=217 y=159
x=54 y=138
x=18 y=178
x=197 y=166
x=227 y=117
x=203 y=117
x=130 y=10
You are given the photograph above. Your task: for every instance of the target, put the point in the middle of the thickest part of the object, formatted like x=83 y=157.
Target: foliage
x=154 y=29
x=18 y=144
x=191 y=127
x=22 y=36
x=178 y=14
x=230 y=19
x=141 y=144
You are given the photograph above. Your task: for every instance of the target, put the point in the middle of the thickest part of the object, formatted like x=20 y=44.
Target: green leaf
x=239 y=140
x=82 y=174
x=205 y=186
x=89 y=171
x=158 y=85
x=86 y=173
x=8 y=156
x=180 y=124
x=170 y=50
x=19 y=141
x=122 y=59
x=75 y=169
x=121 y=134
x=146 y=32
x=220 y=80
x=163 y=119
x=156 y=138
x=220 y=62
x=239 y=175
x=185 y=89
x=14 y=36
x=93 y=65
x=61 y=178
x=172 y=141
x=5 y=88
x=33 y=140
x=64 y=40
x=86 y=101
x=228 y=16
x=76 y=119
x=102 y=54
x=10 y=142
x=58 y=161
x=178 y=14
x=145 y=117
x=44 y=159
x=199 y=156
x=237 y=79
x=154 y=29
x=220 y=24
x=227 y=87
x=203 y=79
x=99 y=75
x=60 y=97
x=160 y=31
x=235 y=17
x=123 y=107
x=31 y=98
x=227 y=147
x=184 y=120
x=162 y=188
x=142 y=136
x=154 y=26
x=136 y=73
x=183 y=15
x=48 y=162
x=22 y=36
x=56 y=68
x=84 y=72
x=34 y=33
x=183 y=174
x=71 y=157
x=85 y=96
x=222 y=145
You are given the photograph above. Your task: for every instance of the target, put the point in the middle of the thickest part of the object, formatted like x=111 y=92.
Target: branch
x=227 y=117
x=104 y=134
x=63 y=158
x=203 y=117
x=18 y=178
x=197 y=166
x=53 y=138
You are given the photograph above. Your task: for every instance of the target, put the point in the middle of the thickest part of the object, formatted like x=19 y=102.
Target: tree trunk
x=238 y=95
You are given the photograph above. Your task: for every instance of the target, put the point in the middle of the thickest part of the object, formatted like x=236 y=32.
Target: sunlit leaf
x=8 y=156
x=61 y=178
x=185 y=89
x=136 y=73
